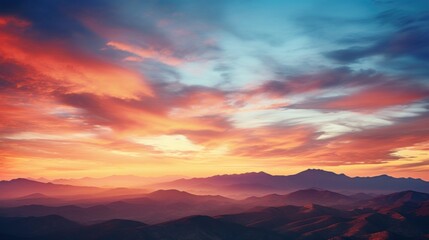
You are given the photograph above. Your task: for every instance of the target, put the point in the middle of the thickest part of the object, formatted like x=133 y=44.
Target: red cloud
x=365 y=147
x=13 y=21
x=74 y=70
x=96 y=94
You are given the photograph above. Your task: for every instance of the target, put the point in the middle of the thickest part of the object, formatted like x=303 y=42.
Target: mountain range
x=165 y=205
x=313 y=204
x=26 y=189
x=257 y=183
x=408 y=218
x=234 y=185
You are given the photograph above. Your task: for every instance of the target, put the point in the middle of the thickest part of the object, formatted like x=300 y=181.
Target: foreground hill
x=406 y=218
x=273 y=223
x=263 y=183
x=397 y=199
x=190 y=228
x=203 y=227
x=401 y=215
x=35 y=227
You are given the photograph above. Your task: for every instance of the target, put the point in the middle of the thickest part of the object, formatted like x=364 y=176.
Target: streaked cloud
x=207 y=87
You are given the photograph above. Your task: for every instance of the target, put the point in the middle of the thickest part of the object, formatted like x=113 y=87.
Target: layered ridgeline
x=165 y=205
x=234 y=185
x=313 y=204
x=402 y=215
x=31 y=189
x=263 y=183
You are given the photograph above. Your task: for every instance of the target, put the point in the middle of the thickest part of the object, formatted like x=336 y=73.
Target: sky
x=198 y=87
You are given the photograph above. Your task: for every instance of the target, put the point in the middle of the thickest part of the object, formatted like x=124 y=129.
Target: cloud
x=372 y=98
x=155 y=86
x=169 y=144
x=145 y=116
x=72 y=70
x=343 y=89
x=13 y=21
x=409 y=40
x=321 y=80
x=161 y=56
x=299 y=145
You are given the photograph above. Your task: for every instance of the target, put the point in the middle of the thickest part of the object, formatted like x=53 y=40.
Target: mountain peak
x=261 y=173
x=314 y=171
x=22 y=180
x=169 y=193
x=34 y=195
x=122 y=223
x=409 y=196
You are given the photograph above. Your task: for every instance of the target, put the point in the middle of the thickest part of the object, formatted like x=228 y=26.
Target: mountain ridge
x=255 y=183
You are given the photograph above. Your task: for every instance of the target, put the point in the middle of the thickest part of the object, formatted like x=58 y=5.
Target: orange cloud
x=147 y=116
x=21 y=112
x=63 y=106
x=372 y=146
x=75 y=71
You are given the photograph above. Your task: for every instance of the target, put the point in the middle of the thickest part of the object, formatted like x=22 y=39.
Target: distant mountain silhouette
x=35 y=198
x=16 y=190
x=302 y=197
x=263 y=183
x=21 y=187
x=323 y=197
x=175 y=195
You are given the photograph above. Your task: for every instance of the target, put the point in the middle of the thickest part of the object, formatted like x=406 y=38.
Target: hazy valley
x=391 y=209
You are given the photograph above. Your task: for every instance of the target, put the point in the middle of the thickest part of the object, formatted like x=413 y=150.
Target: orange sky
x=177 y=94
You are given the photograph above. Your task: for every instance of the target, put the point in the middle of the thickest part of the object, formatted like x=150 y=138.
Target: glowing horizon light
x=169 y=143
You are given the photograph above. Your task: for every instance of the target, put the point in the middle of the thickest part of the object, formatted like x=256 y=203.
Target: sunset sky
x=196 y=88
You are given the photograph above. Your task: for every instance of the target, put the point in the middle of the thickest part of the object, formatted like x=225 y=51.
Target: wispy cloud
x=208 y=87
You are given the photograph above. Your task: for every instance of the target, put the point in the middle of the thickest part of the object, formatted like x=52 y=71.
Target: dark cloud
x=51 y=19
x=182 y=28
x=409 y=40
